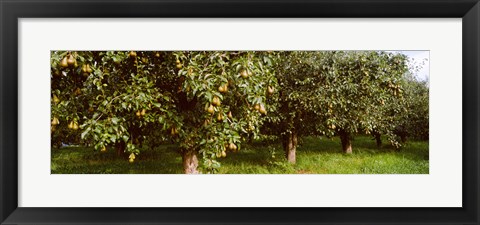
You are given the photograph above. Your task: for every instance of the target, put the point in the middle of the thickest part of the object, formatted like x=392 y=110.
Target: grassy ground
x=315 y=156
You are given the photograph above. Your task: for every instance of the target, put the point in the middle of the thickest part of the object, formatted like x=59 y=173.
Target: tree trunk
x=120 y=148
x=346 y=142
x=378 y=140
x=190 y=162
x=290 y=142
x=403 y=137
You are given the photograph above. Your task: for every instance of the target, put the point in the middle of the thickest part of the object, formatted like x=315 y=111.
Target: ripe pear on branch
x=131 y=157
x=70 y=60
x=64 y=62
x=55 y=121
x=223 y=88
x=232 y=147
x=216 y=101
x=210 y=109
x=270 y=90
x=262 y=109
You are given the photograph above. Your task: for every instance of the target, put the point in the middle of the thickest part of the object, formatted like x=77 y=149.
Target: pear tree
x=206 y=102
x=300 y=76
x=415 y=123
x=363 y=94
x=337 y=93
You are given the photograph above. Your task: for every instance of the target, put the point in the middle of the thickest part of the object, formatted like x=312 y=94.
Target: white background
x=441 y=188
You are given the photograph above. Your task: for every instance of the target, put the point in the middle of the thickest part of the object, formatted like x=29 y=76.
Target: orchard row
x=210 y=102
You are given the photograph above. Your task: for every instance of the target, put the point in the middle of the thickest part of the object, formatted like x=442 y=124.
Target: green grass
x=316 y=155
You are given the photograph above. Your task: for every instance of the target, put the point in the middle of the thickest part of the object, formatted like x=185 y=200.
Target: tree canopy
x=210 y=102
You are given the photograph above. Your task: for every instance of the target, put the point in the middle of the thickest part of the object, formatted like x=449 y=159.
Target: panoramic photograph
x=239 y=112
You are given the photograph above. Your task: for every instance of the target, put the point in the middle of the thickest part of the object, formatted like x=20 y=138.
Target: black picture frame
x=11 y=11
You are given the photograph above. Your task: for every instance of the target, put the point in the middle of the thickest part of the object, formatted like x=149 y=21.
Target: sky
x=418 y=58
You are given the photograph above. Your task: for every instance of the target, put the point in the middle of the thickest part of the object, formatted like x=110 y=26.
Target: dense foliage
x=339 y=93
x=204 y=101
x=210 y=102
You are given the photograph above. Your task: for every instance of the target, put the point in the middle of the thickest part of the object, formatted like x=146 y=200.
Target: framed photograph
x=253 y=112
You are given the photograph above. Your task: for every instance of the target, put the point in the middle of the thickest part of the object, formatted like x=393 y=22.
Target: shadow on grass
x=84 y=160
x=315 y=155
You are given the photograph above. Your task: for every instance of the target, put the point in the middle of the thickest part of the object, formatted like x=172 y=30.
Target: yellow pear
x=132 y=54
x=262 y=110
x=232 y=147
x=75 y=126
x=89 y=69
x=55 y=121
x=210 y=109
x=55 y=99
x=84 y=68
x=64 y=62
x=270 y=90
x=131 y=157
x=216 y=101
x=223 y=88
x=244 y=74
x=70 y=60
x=220 y=117
x=172 y=131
